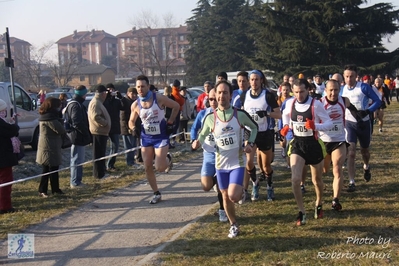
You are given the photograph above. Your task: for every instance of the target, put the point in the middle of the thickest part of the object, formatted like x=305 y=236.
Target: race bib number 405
x=300 y=130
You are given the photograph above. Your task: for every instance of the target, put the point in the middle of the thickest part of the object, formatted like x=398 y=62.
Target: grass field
x=365 y=232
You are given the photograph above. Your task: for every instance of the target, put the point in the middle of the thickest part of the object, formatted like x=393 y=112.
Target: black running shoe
x=336 y=205
x=351 y=187
x=367 y=175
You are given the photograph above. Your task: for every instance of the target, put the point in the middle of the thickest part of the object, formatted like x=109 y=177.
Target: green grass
x=269 y=235
x=33 y=209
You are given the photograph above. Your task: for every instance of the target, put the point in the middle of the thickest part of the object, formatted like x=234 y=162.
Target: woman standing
x=8 y=158
x=49 y=147
x=63 y=97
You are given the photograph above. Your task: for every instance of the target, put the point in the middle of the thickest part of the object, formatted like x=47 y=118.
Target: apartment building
x=19 y=48
x=158 y=53
x=89 y=47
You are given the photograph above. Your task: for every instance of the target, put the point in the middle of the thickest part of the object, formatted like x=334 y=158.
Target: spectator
x=185 y=114
x=203 y=98
x=42 y=96
x=180 y=100
x=63 y=98
x=49 y=148
x=100 y=125
x=168 y=93
x=113 y=105
x=78 y=132
x=8 y=158
x=129 y=137
x=222 y=76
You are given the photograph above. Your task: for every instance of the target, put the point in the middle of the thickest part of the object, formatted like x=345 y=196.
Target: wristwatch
x=251 y=144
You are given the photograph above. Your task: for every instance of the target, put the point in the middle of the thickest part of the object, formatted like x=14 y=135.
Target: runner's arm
x=246 y=120
x=196 y=126
x=323 y=121
x=207 y=126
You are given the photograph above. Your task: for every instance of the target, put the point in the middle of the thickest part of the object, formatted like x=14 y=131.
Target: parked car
x=57 y=94
x=35 y=100
x=28 y=116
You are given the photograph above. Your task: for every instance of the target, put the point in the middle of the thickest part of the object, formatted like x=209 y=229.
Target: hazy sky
x=43 y=21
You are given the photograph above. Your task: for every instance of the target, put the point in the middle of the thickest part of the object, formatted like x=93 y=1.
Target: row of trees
x=308 y=36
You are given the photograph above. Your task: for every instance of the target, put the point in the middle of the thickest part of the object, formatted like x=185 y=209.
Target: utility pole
x=9 y=62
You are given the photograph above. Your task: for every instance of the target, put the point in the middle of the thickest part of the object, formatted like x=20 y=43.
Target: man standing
x=180 y=100
x=226 y=125
x=261 y=105
x=305 y=116
x=113 y=105
x=155 y=130
x=76 y=114
x=358 y=125
x=100 y=125
x=129 y=140
x=203 y=98
x=185 y=114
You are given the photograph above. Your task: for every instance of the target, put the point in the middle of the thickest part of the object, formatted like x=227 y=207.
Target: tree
x=322 y=36
x=218 y=39
x=64 y=72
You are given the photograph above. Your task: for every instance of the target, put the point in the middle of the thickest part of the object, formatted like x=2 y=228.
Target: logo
x=228 y=128
x=21 y=246
x=299 y=118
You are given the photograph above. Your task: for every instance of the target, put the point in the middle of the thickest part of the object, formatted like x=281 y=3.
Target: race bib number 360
x=227 y=141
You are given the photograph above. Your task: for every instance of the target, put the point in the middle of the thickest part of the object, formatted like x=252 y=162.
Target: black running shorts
x=311 y=150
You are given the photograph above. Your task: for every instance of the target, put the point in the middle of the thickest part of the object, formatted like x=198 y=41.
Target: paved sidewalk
x=121 y=228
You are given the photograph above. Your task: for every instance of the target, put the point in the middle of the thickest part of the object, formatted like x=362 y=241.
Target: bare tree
x=63 y=73
x=29 y=70
x=153 y=53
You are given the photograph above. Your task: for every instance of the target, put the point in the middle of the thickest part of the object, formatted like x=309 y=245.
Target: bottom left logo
x=21 y=246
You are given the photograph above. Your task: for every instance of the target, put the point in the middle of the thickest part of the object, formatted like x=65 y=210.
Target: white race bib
x=152 y=129
x=299 y=130
x=337 y=128
x=227 y=141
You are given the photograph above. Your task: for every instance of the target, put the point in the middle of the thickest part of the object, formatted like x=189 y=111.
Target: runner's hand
x=284 y=130
x=310 y=124
x=262 y=114
x=169 y=129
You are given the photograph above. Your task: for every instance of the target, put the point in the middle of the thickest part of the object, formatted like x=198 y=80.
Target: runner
x=261 y=106
x=334 y=139
x=208 y=171
x=357 y=125
x=305 y=116
x=227 y=126
x=155 y=130
x=384 y=92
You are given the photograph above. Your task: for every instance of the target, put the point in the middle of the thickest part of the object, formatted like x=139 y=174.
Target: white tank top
x=337 y=115
x=251 y=105
x=229 y=143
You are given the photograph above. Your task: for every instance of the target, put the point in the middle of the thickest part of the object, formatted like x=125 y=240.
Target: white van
x=28 y=116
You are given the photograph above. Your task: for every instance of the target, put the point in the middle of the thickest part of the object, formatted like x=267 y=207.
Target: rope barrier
x=84 y=163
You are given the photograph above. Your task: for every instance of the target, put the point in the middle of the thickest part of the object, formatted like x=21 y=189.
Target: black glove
x=363 y=113
x=119 y=95
x=169 y=129
x=262 y=114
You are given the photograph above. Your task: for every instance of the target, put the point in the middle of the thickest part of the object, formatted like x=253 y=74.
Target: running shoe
x=367 y=175
x=380 y=130
x=170 y=166
x=336 y=205
x=234 y=230
x=222 y=216
x=243 y=197
x=318 y=212
x=156 y=199
x=270 y=193
x=255 y=191
x=303 y=189
x=283 y=154
x=351 y=187
x=301 y=219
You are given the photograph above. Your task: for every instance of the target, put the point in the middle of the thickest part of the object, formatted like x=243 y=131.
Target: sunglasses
x=212 y=99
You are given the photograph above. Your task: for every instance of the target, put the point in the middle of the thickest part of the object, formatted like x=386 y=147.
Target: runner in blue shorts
x=208 y=171
x=227 y=127
x=358 y=125
x=155 y=130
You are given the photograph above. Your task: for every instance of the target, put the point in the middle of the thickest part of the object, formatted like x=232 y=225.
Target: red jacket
x=202 y=99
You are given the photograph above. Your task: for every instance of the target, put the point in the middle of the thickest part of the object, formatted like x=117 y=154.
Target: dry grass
x=33 y=209
x=269 y=236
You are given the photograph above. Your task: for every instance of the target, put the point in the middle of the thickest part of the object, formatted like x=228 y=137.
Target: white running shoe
x=243 y=197
x=222 y=216
x=156 y=199
x=233 y=232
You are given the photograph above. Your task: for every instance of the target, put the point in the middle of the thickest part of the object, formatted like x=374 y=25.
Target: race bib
x=300 y=130
x=256 y=117
x=152 y=129
x=227 y=141
x=337 y=128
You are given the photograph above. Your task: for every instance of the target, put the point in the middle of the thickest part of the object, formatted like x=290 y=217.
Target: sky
x=40 y=22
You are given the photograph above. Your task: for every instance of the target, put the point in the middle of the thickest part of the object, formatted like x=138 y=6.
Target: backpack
x=67 y=118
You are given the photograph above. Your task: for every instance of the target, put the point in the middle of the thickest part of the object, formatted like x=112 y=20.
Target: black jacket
x=7 y=157
x=80 y=122
x=113 y=106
